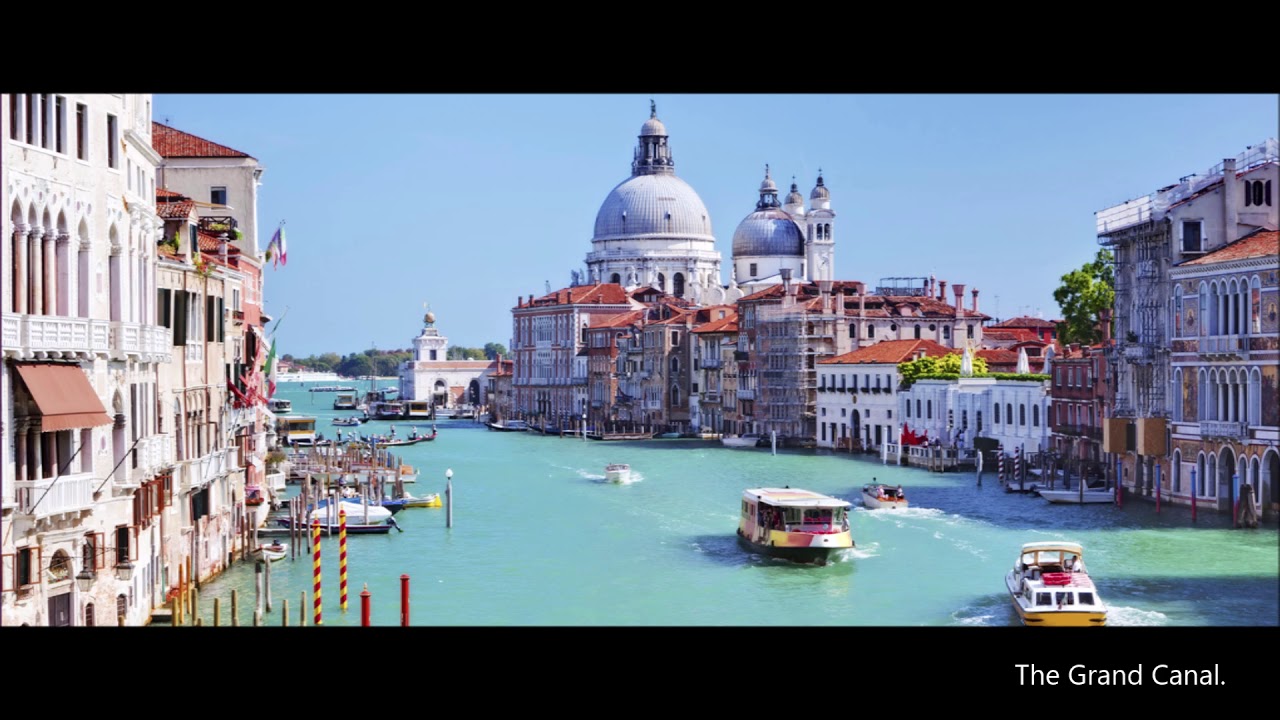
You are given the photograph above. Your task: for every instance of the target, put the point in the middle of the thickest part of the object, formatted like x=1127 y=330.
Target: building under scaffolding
x=788 y=388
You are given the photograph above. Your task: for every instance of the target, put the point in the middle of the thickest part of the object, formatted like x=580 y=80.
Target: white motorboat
x=1078 y=496
x=741 y=441
x=273 y=552
x=881 y=495
x=1049 y=586
x=617 y=473
x=356 y=514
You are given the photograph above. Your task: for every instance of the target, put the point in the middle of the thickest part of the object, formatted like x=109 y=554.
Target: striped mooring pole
x=1000 y=451
x=342 y=557
x=315 y=549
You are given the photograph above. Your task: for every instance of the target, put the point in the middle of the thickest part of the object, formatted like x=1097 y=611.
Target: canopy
x=64 y=396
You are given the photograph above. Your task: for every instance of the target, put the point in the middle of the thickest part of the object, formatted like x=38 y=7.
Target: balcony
x=1138 y=352
x=150 y=343
x=1223 y=429
x=49 y=336
x=712 y=363
x=711 y=397
x=53 y=496
x=746 y=394
x=1224 y=345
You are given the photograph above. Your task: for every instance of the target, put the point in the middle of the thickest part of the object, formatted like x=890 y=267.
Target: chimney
x=933 y=283
x=1104 y=318
x=570 y=292
x=958 y=289
x=975 y=300
x=942 y=291
x=1230 y=201
x=824 y=289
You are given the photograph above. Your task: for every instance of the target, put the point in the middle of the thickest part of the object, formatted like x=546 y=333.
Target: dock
x=934 y=458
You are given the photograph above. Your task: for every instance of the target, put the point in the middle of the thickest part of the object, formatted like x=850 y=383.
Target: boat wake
x=1135 y=617
x=860 y=552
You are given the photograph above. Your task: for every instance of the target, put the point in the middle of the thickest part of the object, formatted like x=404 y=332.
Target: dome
x=653 y=126
x=794 y=197
x=661 y=205
x=768 y=232
x=429 y=318
x=820 y=191
x=767 y=185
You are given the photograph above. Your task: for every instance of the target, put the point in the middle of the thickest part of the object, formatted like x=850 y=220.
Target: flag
x=282 y=246
x=269 y=370
x=273 y=247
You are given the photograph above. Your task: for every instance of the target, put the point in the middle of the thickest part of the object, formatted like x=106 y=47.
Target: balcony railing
x=1222 y=429
x=711 y=363
x=50 y=496
x=1220 y=344
x=52 y=336
x=746 y=394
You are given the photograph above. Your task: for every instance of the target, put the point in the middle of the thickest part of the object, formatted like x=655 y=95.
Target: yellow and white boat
x=798 y=525
x=1050 y=586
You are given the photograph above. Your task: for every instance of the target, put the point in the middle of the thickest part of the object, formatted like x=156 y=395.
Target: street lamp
x=84 y=579
x=124 y=571
x=448 y=496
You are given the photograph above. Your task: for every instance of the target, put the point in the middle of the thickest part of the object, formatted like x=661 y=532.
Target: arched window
x=946 y=332
x=1255 y=306
x=1177 y=310
x=1177 y=395
x=1204 y=309
x=808 y=329
x=675 y=395
x=122 y=606
x=675 y=366
x=1008 y=413
x=917 y=329
x=677 y=284
x=826 y=231
x=1176 y=470
x=1255 y=397
x=1211 y=481
x=995 y=415
x=616 y=279
x=918 y=408
x=1035 y=415
x=88 y=615
x=978 y=419
x=662 y=282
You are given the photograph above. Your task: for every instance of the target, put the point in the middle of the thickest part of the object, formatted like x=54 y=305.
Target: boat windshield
x=300 y=425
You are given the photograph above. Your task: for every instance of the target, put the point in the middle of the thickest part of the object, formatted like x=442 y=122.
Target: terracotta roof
x=1260 y=243
x=729 y=323
x=175 y=210
x=600 y=293
x=616 y=321
x=1025 y=322
x=163 y=195
x=1010 y=334
x=209 y=242
x=173 y=143
x=892 y=352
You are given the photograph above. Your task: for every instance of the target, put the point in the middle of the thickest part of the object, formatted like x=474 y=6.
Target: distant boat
x=1078 y=497
x=741 y=441
x=280 y=405
x=509 y=426
x=617 y=473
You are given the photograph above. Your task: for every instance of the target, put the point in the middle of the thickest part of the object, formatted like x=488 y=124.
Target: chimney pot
x=975 y=299
x=942 y=291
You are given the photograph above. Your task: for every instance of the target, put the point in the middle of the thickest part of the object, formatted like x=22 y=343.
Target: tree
x=1082 y=295
x=948 y=364
x=494 y=349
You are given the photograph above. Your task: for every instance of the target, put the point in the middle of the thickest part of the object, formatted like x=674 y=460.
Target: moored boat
x=280 y=406
x=509 y=426
x=741 y=441
x=793 y=524
x=1050 y=586
x=273 y=552
x=876 y=496
x=345 y=401
x=1078 y=496
x=617 y=473
x=296 y=429
x=432 y=500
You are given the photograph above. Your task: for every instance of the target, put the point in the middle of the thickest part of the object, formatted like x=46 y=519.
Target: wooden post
x=120 y=620
x=199 y=621
x=284 y=613
x=257 y=617
x=235 y=609
x=195 y=604
x=267 y=583
x=217 y=611
x=302 y=610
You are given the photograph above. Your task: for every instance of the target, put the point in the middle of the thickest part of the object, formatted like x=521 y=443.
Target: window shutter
x=179 y=318
x=221 y=320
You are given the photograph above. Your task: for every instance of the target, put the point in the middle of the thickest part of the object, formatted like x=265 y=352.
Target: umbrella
x=1024 y=367
x=1048 y=357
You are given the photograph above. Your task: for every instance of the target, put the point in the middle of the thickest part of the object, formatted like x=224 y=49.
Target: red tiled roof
x=600 y=293
x=1260 y=243
x=890 y=352
x=163 y=195
x=1025 y=322
x=616 y=321
x=173 y=143
x=209 y=242
x=1010 y=334
x=175 y=210
x=729 y=323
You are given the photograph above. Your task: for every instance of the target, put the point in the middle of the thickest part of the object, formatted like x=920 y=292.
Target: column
x=20 y=455
x=20 y=268
x=50 y=274
x=37 y=271
x=50 y=441
x=66 y=275
x=1233 y=392
x=37 y=464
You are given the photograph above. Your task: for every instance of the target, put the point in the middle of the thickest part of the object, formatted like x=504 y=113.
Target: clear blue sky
x=468 y=201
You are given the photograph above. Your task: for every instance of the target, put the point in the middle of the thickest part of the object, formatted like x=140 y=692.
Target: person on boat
x=901 y=495
x=339 y=436
x=393 y=431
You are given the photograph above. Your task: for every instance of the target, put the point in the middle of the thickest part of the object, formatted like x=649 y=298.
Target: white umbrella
x=1024 y=367
x=1048 y=357
x=966 y=363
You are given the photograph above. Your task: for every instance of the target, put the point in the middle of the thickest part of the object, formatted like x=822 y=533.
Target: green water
x=539 y=538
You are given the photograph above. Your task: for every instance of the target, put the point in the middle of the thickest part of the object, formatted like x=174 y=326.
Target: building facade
x=445 y=383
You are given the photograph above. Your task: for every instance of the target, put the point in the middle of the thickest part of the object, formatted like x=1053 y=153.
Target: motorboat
x=273 y=552
x=431 y=501
x=1080 y=496
x=617 y=473
x=280 y=406
x=1050 y=586
x=296 y=429
x=386 y=410
x=345 y=401
x=793 y=524
x=509 y=426
x=876 y=496
x=741 y=441
x=350 y=421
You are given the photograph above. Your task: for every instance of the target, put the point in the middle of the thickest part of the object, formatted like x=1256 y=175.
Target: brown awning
x=64 y=396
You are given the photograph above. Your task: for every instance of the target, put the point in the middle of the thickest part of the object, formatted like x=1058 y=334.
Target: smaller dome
x=768 y=186
x=653 y=126
x=820 y=191
x=429 y=318
x=768 y=232
x=794 y=197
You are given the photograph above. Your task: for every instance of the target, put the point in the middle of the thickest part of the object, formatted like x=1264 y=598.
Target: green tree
x=356 y=366
x=1082 y=295
x=948 y=364
x=494 y=349
x=329 y=360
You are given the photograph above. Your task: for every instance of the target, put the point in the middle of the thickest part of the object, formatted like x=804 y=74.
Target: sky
x=466 y=202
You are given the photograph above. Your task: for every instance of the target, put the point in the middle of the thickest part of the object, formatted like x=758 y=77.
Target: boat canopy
x=1052 y=546
x=793 y=497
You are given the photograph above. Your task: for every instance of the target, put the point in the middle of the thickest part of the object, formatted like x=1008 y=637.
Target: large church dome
x=661 y=205
x=770 y=231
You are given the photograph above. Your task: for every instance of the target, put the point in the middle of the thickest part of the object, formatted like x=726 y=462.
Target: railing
x=69 y=493
x=746 y=394
x=157 y=342
x=25 y=335
x=1222 y=429
x=275 y=481
x=711 y=397
x=1223 y=344
x=712 y=364
x=125 y=339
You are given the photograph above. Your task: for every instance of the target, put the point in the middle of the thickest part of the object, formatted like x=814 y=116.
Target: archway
x=473 y=392
x=440 y=394
x=1227 y=478
x=1267 y=484
x=616 y=279
x=677 y=285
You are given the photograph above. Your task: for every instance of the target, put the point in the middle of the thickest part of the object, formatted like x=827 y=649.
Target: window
x=1035 y=415
x=853 y=331
x=122 y=545
x=970 y=332
x=1022 y=414
x=946 y=332
x=60 y=129
x=46 y=115
x=1008 y=413
x=26 y=567
x=871 y=331
x=113 y=137
x=31 y=119
x=917 y=332
x=753 y=270
x=14 y=114
x=675 y=339
x=218 y=195
x=82 y=131
x=1191 y=237
x=1257 y=193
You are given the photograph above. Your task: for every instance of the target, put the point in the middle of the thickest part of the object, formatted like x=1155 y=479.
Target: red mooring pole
x=404 y=601
x=364 y=606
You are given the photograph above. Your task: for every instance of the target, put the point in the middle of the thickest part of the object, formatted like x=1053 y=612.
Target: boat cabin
x=296 y=429
x=794 y=510
x=345 y=401
x=418 y=409
x=280 y=405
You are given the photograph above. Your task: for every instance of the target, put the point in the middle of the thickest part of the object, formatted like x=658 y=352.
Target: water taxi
x=617 y=473
x=798 y=525
x=1079 y=496
x=879 y=495
x=296 y=429
x=345 y=401
x=1050 y=586
x=280 y=405
x=386 y=410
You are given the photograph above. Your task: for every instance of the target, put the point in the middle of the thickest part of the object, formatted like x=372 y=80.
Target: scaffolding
x=1140 y=359
x=788 y=379
x=903 y=286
